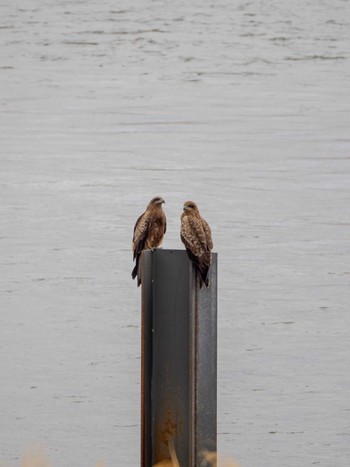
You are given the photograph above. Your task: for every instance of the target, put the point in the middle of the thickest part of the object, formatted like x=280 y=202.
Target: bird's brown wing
x=140 y=233
x=207 y=232
x=193 y=235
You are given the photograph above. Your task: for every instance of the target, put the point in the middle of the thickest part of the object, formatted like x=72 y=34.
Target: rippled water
x=242 y=106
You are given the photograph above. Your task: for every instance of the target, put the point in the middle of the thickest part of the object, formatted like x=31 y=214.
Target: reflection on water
x=241 y=106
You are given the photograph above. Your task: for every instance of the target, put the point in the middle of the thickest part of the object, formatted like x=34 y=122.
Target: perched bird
x=149 y=231
x=196 y=236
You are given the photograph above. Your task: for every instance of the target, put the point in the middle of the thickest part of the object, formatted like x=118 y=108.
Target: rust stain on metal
x=169 y=429
x=165 y=436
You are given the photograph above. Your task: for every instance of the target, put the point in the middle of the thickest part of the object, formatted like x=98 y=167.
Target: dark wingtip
x=136 y=273
x=204 y=278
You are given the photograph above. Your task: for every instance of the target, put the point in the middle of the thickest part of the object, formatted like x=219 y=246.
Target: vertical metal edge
x=192 y=364
x=152 y=291
x=146 y=358
x=206 y=371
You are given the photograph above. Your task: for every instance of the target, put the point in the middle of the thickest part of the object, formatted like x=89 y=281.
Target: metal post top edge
x=167 y=250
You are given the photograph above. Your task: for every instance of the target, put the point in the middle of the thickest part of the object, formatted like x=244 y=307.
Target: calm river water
x=242 y=106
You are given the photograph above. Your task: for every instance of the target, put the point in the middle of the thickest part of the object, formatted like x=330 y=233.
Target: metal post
x=179 y=354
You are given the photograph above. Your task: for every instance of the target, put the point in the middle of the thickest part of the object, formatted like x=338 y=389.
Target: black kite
x=196 y=236
x=149 y=231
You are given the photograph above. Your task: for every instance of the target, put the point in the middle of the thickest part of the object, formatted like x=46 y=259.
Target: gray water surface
x=242 y=106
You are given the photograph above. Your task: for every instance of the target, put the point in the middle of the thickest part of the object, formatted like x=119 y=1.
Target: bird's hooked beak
x=185 y=208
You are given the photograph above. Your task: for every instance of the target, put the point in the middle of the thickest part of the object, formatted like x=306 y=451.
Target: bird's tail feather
x=203 y=277
x=136 y=272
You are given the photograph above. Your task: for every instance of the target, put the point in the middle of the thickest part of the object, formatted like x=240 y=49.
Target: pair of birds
x=195 y=233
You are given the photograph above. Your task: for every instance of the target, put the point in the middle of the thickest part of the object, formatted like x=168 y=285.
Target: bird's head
x=190 y=206
x=156 y=201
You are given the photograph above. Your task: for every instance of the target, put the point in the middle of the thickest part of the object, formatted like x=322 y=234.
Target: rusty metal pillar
x=179 y=355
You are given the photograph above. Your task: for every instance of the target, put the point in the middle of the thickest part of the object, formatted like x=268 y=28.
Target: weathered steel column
x=179 y=354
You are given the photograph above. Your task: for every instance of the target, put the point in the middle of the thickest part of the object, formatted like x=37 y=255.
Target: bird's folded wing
x=193 y=235
x=140 y=233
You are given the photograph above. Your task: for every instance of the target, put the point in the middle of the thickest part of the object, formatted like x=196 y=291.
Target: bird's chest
x=155 y=234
